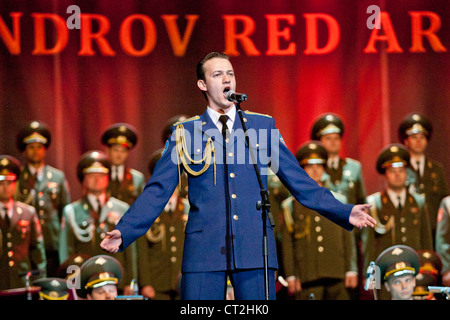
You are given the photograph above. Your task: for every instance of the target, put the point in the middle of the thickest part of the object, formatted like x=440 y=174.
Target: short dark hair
x=209 y=56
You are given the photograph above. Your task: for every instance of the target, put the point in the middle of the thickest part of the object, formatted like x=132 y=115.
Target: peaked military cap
x=93 y=162
x=9 y=168
x=325 y=124
x=398 y=260
x=312 y=152
x=77 y=260
x=430 y=263
x=120 y=133
x=430 y=269
x=412 y=124
x=35 y=131
x=99 y=271
x=393 y=155
x=52 y=288
x=166 y=132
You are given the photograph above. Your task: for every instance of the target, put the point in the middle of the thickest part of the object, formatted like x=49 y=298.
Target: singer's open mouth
x=226 y=89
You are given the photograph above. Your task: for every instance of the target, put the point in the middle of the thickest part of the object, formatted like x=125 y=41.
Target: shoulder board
x=136 y=173
x=446 y=201
x=340 y=197
x=186 y=120
x=257 y=114
x=352 y=161
x=419 y=198
x=55 y=173
x=121 y=205
x=374 y=199
x=25 y=206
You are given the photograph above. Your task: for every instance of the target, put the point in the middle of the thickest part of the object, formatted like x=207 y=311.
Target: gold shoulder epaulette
x=186 y=120
x=258 y=114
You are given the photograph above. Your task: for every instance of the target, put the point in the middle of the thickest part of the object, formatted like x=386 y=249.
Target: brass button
x=232 y=175
x=235 y=217
x=233 y=196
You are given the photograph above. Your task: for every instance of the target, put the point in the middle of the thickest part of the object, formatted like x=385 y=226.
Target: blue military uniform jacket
x=205 y=247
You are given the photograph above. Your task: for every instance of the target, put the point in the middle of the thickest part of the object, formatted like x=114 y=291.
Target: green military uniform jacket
x=129 y=188
x=409 y=227
x=443 y=234
x=432 y=184
x=49 y=196
x=315 y=248
x=347 y=180
x=82 y=231
x=21 y=246
x=160 y=250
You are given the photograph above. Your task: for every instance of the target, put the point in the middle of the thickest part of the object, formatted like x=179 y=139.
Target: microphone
x=372 y=277
x=434 y=289
x=236 y=97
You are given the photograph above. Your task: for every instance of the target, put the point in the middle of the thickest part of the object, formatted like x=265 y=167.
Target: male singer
x=223 y=236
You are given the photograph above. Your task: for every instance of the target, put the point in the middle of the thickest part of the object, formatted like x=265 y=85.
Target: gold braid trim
x=183 y=155
x=47 y=297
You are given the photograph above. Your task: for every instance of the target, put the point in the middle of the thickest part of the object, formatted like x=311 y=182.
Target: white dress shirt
x=418 y=164
x=214 y=115
x=394 y=196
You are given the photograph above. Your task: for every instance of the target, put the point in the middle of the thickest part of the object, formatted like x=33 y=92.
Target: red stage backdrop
x=134 y=61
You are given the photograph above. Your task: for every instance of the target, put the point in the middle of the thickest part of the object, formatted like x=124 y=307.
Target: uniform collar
x=333 y=163
x=394 y=196
x=93 y=200
x=120 y=172
x=418 y=163
x=39 y=172
x=214 y=115
x=208 y=126
x=9 y=205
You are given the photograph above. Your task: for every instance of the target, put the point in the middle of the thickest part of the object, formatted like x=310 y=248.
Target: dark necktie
x=116 y=178
x=95 y=214
x=6 y=217
x=225 y=133
x=418 y=168
x=99 y=206
x=399 y=206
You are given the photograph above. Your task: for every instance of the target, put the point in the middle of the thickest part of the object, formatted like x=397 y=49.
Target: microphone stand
x=264 y=204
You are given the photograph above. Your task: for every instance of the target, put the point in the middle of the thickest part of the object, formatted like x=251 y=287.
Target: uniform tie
x=116 y=174
x=399 y=205
x=225 y=133
x=228 y=242
x=5 y=217
x=99 y=206
x=418 y=168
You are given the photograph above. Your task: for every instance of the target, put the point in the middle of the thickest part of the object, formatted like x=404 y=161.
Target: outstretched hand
x=359 y=217
x=111 y=243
